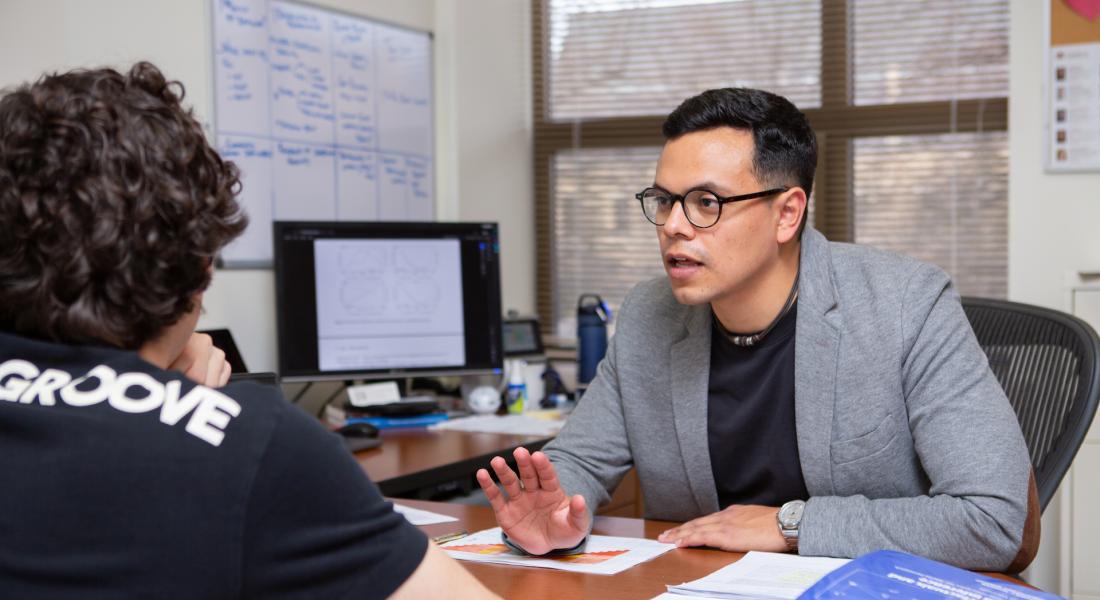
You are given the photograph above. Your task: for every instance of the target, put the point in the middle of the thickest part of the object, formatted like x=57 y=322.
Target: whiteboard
x=327 y=115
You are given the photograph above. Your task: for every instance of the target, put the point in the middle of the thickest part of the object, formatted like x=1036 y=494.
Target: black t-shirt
x=750 y=418
x=122 y=480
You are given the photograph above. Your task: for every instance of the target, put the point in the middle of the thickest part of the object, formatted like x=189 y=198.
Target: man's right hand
x=537 y=515
x=202 y=362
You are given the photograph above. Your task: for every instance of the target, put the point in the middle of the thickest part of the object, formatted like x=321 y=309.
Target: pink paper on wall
x=1088 y=9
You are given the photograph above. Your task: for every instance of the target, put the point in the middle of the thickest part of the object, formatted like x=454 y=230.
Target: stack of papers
x=759 y=575
x=514 y=424
x=603 y=555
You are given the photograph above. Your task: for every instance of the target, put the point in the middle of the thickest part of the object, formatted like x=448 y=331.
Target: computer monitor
x=522 y=338
x=375 y=300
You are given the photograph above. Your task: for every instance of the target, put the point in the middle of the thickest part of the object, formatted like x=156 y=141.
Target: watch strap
x=579 y=548
x=792 y=540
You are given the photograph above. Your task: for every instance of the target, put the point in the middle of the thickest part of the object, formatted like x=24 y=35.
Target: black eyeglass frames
x=702 y=207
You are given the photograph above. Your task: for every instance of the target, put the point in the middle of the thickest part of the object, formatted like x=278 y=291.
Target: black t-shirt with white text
x=750 y=418
x=121 y=479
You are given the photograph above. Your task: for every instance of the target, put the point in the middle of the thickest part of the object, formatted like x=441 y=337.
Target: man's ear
x=790 y=206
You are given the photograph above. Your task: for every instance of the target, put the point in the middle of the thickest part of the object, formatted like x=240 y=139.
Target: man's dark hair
x=785 y=146
x=113 y=207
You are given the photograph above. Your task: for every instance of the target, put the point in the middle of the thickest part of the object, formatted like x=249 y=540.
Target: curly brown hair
x=113 y=207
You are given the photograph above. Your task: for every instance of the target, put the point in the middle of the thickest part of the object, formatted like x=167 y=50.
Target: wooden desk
x=425 y=465
x=421 y=463
x=643 y=581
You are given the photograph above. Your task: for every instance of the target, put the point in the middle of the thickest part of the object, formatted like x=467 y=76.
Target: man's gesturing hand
x=536 y=515
x=738 y=528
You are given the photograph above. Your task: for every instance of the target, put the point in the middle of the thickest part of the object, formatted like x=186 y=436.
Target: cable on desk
x=339 y=390
x=301 y=392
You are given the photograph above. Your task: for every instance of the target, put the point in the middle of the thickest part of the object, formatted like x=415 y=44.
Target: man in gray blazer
x=778 y=391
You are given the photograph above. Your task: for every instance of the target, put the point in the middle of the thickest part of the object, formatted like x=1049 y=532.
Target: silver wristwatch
x=790 y=518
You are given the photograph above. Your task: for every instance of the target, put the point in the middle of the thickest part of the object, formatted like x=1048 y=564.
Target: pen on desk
x=450 y=537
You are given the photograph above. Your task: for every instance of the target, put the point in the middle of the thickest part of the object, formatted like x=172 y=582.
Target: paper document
x=762 y=575
x=514 y=424
x=422 y=517
x=604 y=555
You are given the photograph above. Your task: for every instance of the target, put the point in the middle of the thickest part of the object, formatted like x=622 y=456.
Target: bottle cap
x=516 y=377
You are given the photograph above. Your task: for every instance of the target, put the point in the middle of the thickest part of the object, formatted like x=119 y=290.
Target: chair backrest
x=1048 y=363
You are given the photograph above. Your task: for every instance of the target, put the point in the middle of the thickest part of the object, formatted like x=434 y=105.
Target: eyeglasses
x=701 y=207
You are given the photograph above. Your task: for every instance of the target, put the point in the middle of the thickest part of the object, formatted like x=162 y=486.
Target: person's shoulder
x=862 y=265
x=871 y=280
x=850 y=257
x=253 y=398
x=652 y=300
x=264 y=397
x=651 y=313
x=652 y=296
x=153 y=408
x=237 y=417
x=267 y=403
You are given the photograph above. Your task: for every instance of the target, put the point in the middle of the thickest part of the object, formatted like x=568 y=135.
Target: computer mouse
x=358 y=430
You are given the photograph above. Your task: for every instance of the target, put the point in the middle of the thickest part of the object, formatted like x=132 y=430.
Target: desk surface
x=412 y=459
x=643 y=581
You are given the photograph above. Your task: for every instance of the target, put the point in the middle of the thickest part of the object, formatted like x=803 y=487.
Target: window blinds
x=643 y=57
x=928 y=50
x=602 y=244
x=938 y=198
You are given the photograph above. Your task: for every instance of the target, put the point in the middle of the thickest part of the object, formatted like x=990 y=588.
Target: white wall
x=482 y=113
x=1054 y=220
x=489 y=64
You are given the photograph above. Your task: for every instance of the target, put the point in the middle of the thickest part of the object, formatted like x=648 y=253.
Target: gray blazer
x=905 y=438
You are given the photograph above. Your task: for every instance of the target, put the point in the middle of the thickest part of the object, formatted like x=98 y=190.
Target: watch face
x=790 y=515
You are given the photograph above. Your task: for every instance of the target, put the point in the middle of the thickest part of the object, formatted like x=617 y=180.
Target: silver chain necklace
x=747 y=341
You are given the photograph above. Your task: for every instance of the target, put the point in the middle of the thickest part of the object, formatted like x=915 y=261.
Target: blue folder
x=899 y=576
x=399 y=422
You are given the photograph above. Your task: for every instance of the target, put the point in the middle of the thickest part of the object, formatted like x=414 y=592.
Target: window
x=948 y=50
x=909 y=101
x=643 y=57
x=603 y=244
x=941 y=197
x=942 y=200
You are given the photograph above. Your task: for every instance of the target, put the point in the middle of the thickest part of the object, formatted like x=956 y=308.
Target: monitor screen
x=386 y=300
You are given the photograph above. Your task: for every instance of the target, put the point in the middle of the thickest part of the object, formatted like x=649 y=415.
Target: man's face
x=707 y=265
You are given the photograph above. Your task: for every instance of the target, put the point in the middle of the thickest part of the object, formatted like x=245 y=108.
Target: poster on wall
x=1072 y=132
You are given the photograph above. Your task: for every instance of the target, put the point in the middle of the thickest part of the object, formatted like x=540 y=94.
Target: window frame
x=837 y=122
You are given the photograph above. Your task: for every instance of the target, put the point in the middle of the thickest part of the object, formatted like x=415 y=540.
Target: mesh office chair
x=1048 y=363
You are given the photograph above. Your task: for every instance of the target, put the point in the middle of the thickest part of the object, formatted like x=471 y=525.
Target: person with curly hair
x=130 y=467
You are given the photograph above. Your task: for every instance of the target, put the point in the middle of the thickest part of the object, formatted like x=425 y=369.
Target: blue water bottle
x=592 y=318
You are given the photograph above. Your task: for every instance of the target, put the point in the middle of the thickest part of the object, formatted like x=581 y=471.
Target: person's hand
x=738 y=528
x=537 y=515
x=202 y=362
